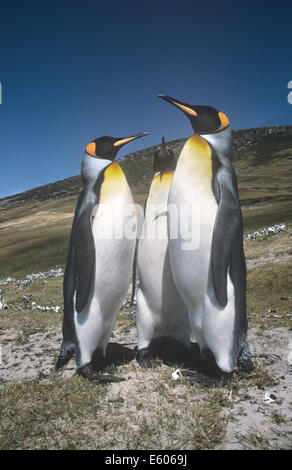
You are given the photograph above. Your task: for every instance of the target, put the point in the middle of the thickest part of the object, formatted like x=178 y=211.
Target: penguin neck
x=221 y=142
x=91 y=170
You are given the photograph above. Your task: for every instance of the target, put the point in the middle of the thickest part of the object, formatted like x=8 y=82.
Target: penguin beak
x=125 y=140
x=184 y=107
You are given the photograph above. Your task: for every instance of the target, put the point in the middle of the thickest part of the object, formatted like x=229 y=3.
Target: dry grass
x=36 y=415
x=269 y=438
x=147 y=411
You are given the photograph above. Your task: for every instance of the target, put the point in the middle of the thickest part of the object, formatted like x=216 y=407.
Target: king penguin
x=211 y=274
x=100 y=258
x=161 y=313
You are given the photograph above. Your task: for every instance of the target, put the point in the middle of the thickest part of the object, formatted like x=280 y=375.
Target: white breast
x=192 y=197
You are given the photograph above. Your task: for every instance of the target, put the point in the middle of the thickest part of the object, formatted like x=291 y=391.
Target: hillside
x=259 y=145
x=35 y=224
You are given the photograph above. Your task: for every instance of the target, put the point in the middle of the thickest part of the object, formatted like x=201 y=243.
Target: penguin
x=161 y=313
x=210 y=271
x=100 y=258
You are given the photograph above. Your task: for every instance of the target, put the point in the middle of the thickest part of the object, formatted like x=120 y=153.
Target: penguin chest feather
x=154 y=241
x=192 y=186
x=191 y=192
x=114 y=232
x=160 y=309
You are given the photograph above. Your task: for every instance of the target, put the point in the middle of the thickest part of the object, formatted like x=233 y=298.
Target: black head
x=108 y=147
x=204 y=119
x=164 y=159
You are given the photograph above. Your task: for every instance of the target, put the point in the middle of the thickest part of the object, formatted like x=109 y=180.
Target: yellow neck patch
x=114 y=181
x=197 y=156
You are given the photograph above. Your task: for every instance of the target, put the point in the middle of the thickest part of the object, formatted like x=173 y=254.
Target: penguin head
x=164 y=159
x=204 y=119
x=101 y=152
x=107 y=148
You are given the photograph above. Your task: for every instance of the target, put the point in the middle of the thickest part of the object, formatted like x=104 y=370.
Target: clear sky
x=73 y=71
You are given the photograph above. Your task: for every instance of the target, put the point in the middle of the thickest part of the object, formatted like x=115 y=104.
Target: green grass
x=269 y=288
x=42 y=291
x=266 y=214
x=44 y=255
x=29 y=320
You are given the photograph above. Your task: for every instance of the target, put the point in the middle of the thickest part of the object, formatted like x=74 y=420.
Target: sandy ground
x=25 y=357
x=251 y=412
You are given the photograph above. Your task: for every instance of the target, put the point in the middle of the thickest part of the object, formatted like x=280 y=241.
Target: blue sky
x=74 y=71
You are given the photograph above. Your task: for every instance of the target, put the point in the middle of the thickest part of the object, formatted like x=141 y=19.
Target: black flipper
x=78 y=272
x=226 y=226
x=84 y=257
x=134 y=272
x=66 y=353
x=68 y=344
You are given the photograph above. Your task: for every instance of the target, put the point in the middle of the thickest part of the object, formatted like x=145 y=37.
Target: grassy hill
x=35 y=225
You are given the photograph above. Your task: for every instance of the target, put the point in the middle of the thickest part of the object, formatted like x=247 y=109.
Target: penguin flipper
x=84 y=257
x=67 y=349
x=228 y=222
x=134 y=274
x=66 y=353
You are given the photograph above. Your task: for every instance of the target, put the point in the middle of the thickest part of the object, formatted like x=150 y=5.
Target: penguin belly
x=191 y=187
x=160 y=310
x=114 y=253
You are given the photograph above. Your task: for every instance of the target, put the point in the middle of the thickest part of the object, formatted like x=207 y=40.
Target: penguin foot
x=89 y=373
x=117 y=354
x=171 y=351
x=167 y=349
x=98 y=360
x=66 y=353
x=145 y=358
